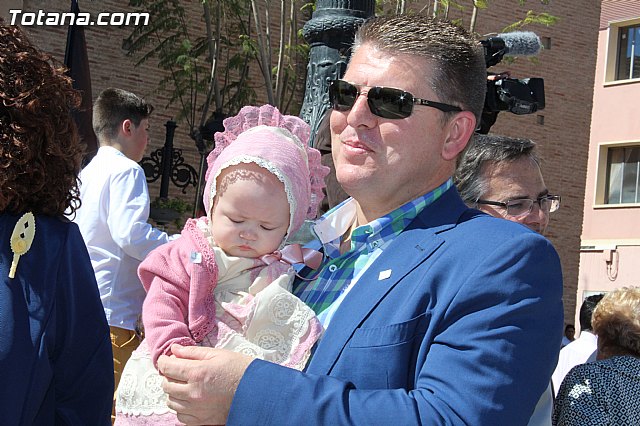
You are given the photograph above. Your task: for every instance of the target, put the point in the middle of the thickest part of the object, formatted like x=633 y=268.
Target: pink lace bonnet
x=278 y=143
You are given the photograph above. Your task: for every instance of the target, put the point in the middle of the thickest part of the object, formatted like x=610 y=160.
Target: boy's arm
x=128 y=213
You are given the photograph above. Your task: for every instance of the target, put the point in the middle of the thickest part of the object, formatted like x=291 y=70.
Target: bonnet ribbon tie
x=293 y=254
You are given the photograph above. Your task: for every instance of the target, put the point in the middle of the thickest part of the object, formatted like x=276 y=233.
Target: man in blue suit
x=434 y=313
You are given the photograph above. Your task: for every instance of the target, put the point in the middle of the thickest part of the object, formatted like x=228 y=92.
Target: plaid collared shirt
x=340 y=272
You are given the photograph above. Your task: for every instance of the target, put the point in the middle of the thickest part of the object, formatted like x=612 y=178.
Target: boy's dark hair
x=586 y=311
x=112 y=107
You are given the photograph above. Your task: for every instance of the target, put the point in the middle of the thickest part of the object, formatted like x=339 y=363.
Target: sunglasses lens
x=342 y=95
x=384 y=102
x=391 y=103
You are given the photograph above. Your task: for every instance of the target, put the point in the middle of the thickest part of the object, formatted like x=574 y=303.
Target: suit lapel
x=412 y=247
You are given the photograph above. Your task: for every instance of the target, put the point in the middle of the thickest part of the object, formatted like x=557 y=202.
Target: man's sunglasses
x=385 y=102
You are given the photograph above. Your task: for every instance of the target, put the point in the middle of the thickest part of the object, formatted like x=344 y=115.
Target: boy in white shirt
x=114 y=213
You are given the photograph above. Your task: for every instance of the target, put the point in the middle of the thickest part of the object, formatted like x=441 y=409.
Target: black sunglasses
x=385 y=102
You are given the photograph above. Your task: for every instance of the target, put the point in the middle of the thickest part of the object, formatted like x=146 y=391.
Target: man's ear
x=459 y=130
x=126 y=127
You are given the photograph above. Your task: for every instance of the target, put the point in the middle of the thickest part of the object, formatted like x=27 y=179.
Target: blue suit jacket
x=465 y=330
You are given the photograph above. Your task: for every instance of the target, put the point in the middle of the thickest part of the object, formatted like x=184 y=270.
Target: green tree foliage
x=442 y=8
x=191 y=53
x=207 y=66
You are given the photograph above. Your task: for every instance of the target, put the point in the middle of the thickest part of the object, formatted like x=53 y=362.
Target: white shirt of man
x=113 y=221
x=581 y=350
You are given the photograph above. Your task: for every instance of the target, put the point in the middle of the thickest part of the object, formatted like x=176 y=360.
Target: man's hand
x=201 y=382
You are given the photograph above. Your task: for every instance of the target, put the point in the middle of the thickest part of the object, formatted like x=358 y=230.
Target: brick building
x=561 y=130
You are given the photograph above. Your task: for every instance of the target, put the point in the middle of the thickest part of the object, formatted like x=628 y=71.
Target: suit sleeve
x=486 y=359
x=84 y=380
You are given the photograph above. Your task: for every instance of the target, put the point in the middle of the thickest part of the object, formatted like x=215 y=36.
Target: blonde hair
x=616 y=321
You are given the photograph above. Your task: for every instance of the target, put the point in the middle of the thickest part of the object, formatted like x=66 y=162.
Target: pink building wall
x=610 y=240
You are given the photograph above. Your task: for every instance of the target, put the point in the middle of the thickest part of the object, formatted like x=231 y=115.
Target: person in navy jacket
x=55 y=351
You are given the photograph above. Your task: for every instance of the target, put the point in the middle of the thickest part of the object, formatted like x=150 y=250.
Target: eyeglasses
x=385 y=102
x=523 y=206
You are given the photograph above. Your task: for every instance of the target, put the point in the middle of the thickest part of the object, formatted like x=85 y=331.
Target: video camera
x=518 y=96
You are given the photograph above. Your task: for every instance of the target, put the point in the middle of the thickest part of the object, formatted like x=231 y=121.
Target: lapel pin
x=384 y=274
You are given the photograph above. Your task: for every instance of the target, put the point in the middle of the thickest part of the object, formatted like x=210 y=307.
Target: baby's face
x=250 y=215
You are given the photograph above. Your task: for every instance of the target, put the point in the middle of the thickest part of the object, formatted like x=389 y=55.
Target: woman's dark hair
x=40 y=151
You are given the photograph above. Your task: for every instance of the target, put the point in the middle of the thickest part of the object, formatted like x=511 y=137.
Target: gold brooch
x=21 y=239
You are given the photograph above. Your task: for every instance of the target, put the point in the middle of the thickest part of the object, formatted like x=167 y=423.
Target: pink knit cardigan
x=179 y=278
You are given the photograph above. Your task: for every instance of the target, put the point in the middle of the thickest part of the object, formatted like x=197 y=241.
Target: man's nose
x=360 y=113
x=536 y=219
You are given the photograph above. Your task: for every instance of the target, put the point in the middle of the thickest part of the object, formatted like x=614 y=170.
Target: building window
x=623 y=175
x=628 y=61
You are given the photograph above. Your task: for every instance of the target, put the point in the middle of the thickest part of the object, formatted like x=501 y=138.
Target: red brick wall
x=567 y=68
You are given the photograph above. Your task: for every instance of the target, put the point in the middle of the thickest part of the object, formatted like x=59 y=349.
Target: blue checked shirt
x=340 y=273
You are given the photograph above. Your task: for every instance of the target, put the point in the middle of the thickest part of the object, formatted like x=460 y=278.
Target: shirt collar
x=109 y=150
x=336 y=222
x=333 y=224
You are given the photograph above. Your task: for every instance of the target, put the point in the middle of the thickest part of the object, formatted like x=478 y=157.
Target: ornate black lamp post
x=167 y=163
x=330 y=33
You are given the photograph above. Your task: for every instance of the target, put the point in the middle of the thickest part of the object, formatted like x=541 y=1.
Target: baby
x=226 y=281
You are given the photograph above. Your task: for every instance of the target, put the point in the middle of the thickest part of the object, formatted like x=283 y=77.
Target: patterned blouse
x=605 y=392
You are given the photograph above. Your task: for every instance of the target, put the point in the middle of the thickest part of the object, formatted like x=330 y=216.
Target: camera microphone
x=521 y=43
x=518 y=96
x=518 y=43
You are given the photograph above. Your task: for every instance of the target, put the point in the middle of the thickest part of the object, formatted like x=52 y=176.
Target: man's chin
x=352 y=177
x=538 y=229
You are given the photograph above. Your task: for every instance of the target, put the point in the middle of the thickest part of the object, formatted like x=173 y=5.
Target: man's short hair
x=586 y=310
x=457 y=59
x=484 y=150
x=112 y=107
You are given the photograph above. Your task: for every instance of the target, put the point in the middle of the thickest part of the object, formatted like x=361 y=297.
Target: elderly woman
x=55 y=352
x=607 y=391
